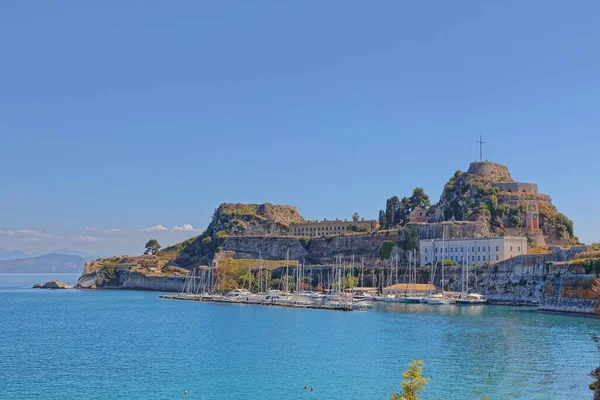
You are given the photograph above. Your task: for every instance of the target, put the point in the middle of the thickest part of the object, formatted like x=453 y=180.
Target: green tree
x=355 y=217
x=391 y=208
x=385 y=249
x=152 y=246
x=413 y=382
x=419 y=198
x=410 y=240
x=403 y=213
x=382 y=219
x=109 y=273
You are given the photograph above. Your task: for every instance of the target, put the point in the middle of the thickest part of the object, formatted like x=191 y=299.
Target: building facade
x=471 y=250
x=418 y=215
x=336 y=227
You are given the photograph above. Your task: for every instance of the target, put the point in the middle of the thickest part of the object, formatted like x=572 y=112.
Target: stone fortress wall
x=517 y=187
x=490 y=170
x=326 y=227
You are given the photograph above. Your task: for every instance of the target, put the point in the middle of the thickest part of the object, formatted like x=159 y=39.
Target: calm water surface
x=132 y=345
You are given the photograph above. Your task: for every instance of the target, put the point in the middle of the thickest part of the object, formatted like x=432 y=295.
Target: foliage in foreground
x=413 y=382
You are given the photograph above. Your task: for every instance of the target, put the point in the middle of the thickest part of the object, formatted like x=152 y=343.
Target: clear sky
x=123 y=115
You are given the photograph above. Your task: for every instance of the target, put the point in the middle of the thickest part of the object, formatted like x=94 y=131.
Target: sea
x=110 y=344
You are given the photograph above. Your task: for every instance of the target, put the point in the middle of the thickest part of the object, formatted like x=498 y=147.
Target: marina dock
x=265 y=302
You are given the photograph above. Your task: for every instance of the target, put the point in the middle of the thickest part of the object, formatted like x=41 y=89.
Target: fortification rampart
x=490 y=170
x=517 y=187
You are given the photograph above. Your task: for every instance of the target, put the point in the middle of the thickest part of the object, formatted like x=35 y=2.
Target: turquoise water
x=133 y=345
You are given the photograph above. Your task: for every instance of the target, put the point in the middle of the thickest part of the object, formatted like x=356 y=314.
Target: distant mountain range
x=6 y=254
x=69 y=252
x=54 y=263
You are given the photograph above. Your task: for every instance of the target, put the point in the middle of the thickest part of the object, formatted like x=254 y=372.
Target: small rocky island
x=53 y=285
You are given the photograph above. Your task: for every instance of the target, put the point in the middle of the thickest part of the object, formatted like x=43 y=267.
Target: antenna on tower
x=481 y=143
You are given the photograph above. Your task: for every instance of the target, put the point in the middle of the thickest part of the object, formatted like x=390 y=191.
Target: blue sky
x=124 y=115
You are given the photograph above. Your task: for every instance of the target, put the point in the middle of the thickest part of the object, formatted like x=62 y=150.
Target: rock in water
x=38 y=286
x=56 y=285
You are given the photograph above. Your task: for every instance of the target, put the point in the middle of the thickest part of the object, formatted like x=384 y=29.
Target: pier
x=264 y=302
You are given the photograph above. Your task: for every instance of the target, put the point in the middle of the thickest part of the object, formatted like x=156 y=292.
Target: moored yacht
x=472 y=298
x=438 y=299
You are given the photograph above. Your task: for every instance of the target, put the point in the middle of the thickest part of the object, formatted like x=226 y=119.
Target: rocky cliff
x=323 y=250
x=554 y=281
x=487 y=193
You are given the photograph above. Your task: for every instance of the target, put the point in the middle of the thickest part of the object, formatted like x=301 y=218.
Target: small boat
x=362 y=305
x=439 y=299
x=391 y=299
x=472 y=298
x=413 y=299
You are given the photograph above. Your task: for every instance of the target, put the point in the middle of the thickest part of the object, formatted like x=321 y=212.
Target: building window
x=510 y=248
x=473 y=258
x=473 y=249
x=489 y=249
x=478 y=249
x=425 y=250
x=519 y=248
x=496 y=248
x=478 y=258
x=425 y=258
x=462 y=249
x=497 y=258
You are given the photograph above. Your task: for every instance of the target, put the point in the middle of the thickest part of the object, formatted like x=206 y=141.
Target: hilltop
x=486 y=192
x=229 y=219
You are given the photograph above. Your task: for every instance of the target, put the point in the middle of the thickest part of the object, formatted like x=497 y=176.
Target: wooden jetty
x=262 y=303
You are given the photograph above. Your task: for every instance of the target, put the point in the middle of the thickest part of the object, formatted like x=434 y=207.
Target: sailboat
x=440 y=298
x=467 y=298
x=412 y=280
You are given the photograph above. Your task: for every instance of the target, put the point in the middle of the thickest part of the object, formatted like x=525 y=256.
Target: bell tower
x=532 y=214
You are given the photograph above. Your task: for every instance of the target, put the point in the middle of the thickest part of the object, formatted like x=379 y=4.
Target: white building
x=471 y=250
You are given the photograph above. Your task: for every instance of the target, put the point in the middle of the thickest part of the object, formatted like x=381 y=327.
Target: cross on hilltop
x=481 y=143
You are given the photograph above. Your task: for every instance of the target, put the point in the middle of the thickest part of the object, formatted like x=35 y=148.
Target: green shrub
x=385 y=249
x=563 y=225
x=305 y=242
x=109 y=273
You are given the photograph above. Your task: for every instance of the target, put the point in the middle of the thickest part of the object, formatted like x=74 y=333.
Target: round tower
x=489 y=170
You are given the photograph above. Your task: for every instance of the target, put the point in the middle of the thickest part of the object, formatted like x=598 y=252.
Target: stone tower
x=532 y=214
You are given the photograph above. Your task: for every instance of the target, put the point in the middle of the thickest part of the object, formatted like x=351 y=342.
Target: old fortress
x=476 y=245
x=325 y=227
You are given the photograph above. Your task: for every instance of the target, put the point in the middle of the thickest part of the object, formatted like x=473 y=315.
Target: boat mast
x=287 y=264
x=467 y=269
x=443 y=259
x=362 y=272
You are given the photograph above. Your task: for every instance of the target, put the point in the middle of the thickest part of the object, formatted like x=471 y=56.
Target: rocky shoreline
x=53 y=285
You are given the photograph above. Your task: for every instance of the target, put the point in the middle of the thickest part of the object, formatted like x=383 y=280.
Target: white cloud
x=184 y=228
x=156 y=228
x=87 y=239
x=34 y=234
x=90 y=228
x=6 y=233
x=111 y=230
